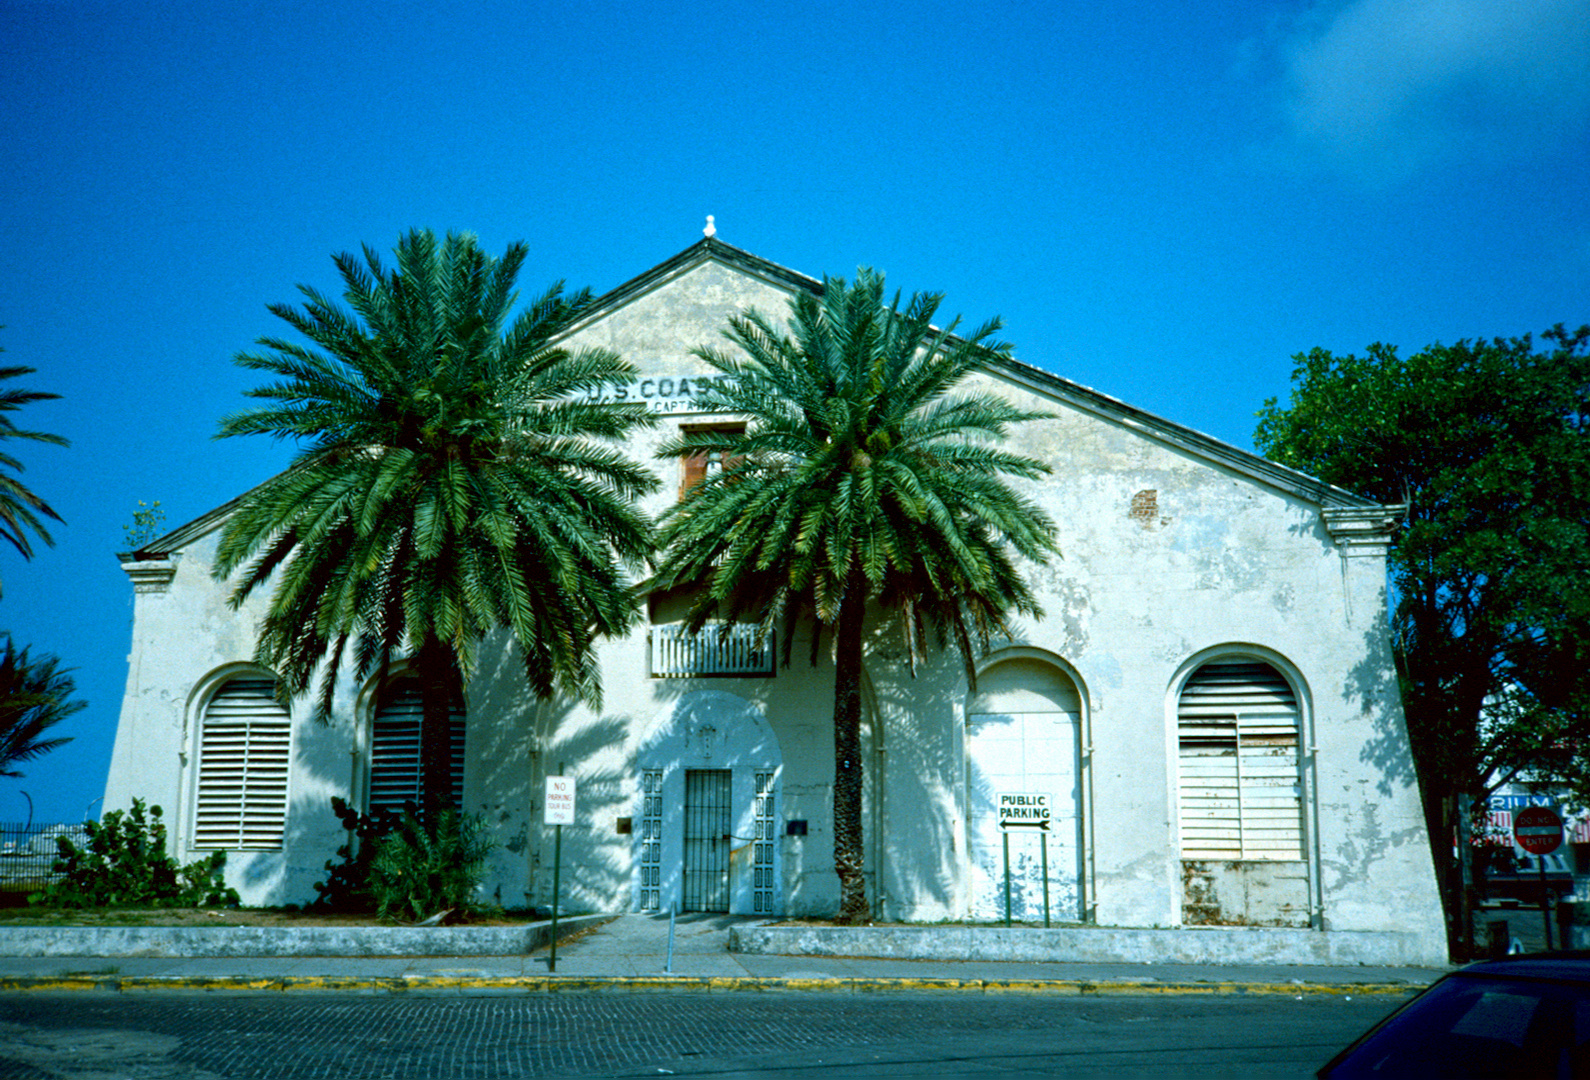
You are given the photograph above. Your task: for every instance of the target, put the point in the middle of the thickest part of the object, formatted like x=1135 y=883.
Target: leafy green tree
x=20 y=509
x=454 y=478
x=34 y=697
x=1486 y=443
x=860 y=477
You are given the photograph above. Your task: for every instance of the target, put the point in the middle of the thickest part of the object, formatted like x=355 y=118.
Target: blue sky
x=1164 y=202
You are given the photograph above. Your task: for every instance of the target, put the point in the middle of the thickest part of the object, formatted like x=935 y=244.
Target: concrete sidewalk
x=631 y=952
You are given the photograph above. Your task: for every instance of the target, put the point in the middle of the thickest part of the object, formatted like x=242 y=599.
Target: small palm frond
x=21 y=511
x=34 y=697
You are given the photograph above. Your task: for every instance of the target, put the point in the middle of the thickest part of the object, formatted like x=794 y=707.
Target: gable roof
x=1086 y=399
x=711 y=249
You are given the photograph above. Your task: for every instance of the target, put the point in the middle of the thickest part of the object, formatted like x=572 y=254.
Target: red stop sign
x=1538 y=830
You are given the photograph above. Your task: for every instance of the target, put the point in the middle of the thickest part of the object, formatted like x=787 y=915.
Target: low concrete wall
x=195 y=941
x=1092 y=945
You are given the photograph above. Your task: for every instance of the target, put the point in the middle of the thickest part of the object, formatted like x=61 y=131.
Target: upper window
x=396 y=776
x=245 y=744
x=694 y=467
x=716 y=650
x=1240 y=778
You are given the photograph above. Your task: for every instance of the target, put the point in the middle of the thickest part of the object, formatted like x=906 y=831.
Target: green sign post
x=559 y=812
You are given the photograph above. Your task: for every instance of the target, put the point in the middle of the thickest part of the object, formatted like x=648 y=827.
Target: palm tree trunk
x=848 y=851
x=434 y=665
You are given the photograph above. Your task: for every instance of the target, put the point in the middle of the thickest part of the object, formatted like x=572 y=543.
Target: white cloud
x=1381 y=88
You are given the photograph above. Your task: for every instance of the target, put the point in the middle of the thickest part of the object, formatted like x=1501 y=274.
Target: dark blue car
x=1523 y=1016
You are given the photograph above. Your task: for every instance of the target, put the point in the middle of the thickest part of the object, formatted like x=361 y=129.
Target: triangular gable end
x=151 y=564
x=1183 y=438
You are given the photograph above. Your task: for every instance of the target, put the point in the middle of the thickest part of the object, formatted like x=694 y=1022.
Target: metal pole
x=557 y=866
x=1545 y=900
x=1465 y=858
x=1006 y=836
x=1043 y=842
x=670 y=968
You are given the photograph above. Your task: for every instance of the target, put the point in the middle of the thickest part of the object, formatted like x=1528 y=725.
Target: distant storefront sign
x=1501 y=810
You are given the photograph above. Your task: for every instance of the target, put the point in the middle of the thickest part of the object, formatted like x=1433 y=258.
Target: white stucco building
x=1208 y=710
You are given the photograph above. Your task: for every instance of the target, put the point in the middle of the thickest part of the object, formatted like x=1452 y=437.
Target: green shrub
x=125 y=865
x=418 y=871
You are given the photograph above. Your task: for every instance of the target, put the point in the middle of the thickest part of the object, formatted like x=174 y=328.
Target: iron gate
x=707 y=840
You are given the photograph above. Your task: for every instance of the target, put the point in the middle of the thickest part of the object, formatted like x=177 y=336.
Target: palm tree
x=860 y=477
x=451 y=482
x=33 y=699
x=20 y=508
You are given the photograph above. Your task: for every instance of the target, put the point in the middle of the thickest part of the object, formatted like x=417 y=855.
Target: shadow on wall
x=522 y=741
x=912 y=792
x=323 y=768
x=596 y=858
x=1372 y=688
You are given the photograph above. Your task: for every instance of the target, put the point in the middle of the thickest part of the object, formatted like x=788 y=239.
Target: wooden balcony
x=715 y=651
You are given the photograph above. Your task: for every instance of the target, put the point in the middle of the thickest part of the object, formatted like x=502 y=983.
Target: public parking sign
x=1019 y=809
x=1538 y=829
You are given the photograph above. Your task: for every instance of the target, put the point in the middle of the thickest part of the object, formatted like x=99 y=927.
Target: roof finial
x=711 y=229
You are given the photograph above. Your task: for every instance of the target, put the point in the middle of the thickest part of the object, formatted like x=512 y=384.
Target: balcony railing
x=716 y=650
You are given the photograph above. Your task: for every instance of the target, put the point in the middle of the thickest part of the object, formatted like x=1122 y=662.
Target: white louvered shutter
x=1240 y=780
x=245 y=748
x=395 y=772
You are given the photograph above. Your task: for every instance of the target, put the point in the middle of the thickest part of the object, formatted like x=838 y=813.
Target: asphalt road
x=191 y=1035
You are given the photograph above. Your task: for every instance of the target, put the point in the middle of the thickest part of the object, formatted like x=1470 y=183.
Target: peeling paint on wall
x=1145 y=508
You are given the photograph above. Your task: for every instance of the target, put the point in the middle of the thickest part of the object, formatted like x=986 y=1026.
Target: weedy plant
x=418 y=872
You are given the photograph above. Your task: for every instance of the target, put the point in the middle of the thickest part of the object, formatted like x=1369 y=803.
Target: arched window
x=1240 y=785
x=395 y=772
x=245 y=746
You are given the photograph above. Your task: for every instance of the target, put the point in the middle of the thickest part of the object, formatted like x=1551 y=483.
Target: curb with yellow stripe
x=579 y=984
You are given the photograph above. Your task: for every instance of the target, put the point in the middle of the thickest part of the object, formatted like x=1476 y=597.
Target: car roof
x=1571 y=966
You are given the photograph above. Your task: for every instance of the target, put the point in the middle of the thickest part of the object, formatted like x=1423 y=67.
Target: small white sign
x=1024 y=809
x=560 y=800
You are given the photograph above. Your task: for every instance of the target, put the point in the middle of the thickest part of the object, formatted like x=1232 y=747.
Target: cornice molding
x=150 y=575
x=1362 y=530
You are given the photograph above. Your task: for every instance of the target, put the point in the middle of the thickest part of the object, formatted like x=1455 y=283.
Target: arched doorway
x=1023 y=739
x=706 y=836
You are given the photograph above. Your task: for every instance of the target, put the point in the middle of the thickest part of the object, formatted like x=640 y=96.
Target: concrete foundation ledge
x=201 y=941
x=1098 y=945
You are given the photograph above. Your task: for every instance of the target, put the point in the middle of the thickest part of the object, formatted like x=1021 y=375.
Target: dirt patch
x=275 y=917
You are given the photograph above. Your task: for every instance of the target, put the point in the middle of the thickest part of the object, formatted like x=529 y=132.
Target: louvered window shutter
x=245 y=749
x=395 y=773
x=1240 y=781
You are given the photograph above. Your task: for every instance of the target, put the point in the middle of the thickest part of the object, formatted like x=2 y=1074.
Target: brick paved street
x=242 y=1035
